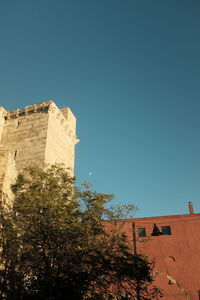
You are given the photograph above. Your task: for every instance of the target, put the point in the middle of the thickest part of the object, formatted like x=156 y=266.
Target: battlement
x=30 y=109
x=63 y=115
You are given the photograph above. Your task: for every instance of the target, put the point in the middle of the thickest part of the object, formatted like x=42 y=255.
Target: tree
x=54 y=244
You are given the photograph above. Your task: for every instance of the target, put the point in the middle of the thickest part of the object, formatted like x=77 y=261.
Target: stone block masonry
x=39 y=134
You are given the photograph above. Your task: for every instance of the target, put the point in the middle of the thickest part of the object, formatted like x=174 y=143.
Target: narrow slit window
x=15 y=154
x=166 y=230
x=142 y=232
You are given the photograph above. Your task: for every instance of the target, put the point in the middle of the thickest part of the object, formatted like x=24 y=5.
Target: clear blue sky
x=130 y=72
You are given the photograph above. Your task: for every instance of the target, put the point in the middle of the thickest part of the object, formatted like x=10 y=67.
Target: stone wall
x=24 y=136
x=39 y=134
x=2 y=119
x=61 y=137
x=8 y=175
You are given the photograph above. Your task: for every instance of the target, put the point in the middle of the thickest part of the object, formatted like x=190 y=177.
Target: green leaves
x=54 y=244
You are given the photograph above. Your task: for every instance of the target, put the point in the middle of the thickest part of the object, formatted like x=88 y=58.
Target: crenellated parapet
x=31 y=109
x=62 y=115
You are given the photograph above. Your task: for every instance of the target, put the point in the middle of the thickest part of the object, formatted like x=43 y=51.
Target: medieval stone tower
x=36 y=135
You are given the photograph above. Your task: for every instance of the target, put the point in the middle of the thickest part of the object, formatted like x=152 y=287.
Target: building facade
x=39 y=134
x=172 y=244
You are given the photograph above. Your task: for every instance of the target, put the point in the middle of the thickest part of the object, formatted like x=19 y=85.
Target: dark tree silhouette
x=54 y=246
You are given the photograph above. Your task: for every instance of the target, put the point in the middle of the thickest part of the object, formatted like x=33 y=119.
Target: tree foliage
x=54 y=246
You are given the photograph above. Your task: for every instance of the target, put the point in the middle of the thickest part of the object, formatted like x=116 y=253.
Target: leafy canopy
x=54 y=244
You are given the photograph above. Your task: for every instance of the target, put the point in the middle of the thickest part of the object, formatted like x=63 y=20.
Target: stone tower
x=36 y=135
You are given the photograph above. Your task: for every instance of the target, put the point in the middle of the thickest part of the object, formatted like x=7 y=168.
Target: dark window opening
x=141 y=232
x=15 y=154
x=166 y=230
x=156 y=231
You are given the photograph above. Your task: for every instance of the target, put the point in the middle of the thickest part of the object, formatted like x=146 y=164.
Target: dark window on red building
x=166 y=230
x=141 y=232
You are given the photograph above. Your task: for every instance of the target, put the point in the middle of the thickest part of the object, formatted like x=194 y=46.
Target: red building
x=172 y=243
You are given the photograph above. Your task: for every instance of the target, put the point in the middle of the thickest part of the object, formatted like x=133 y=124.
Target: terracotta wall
x=176 y=257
